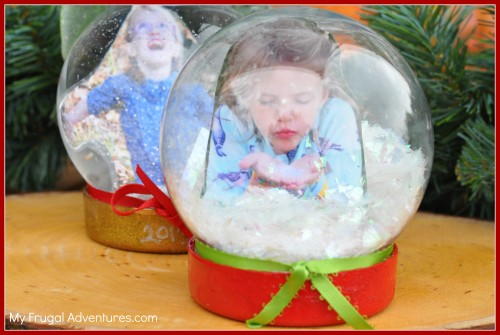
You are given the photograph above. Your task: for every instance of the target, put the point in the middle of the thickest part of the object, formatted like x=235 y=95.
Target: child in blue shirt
x=155 y=47
x=277 y=125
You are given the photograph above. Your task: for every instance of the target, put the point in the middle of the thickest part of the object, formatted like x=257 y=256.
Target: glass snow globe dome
x=115 y=82
x=315 y=142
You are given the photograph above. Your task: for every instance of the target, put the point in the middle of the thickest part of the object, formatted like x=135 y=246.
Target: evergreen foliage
x=459 y=86
x=34 y=149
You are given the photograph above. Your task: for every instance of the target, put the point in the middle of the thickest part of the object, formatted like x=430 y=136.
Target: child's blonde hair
x=284 y=42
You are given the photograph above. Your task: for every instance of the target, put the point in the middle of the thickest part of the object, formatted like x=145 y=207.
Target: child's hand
x=79 y=111
x=301 y=173
x=306 y=170
x=264 y=166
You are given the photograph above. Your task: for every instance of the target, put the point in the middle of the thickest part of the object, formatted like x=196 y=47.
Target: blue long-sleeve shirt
x=338 y=144
x=142 y=106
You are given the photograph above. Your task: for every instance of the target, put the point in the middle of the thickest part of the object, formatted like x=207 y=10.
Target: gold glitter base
x=143 y=231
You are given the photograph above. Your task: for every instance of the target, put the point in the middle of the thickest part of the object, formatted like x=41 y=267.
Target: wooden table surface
x=57 y=277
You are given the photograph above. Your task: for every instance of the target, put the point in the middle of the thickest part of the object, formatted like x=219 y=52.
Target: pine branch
x=475 y=168
x=34 y=161
x=459 y=87
x=34 y=150
x=481 y=71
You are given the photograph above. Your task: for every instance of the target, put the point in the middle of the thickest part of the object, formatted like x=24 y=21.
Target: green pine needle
x=475 y=168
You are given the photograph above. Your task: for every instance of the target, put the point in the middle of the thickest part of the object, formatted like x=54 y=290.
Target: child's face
x=155 y=38
x=285 y=103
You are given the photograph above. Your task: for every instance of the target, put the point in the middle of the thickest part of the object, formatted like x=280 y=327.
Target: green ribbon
x=316 y=270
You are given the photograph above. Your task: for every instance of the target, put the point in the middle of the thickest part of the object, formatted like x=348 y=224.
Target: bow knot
x=301 y=269
x=159 y=201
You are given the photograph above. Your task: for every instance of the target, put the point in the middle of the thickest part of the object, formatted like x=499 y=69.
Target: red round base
x=240 y=294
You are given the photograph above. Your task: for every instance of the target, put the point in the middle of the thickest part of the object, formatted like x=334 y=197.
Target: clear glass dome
x=115 y=82
x=296 y=134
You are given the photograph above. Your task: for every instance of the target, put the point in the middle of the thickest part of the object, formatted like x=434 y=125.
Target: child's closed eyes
x=272 y=100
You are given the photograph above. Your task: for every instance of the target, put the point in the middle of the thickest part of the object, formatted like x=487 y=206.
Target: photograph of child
x=122 y=102
x=277 y=124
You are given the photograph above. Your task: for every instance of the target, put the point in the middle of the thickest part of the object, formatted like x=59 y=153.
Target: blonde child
x=155 y=51
x=277 y=125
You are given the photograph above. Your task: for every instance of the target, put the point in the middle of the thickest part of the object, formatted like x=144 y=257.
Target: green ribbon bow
x=316 y=270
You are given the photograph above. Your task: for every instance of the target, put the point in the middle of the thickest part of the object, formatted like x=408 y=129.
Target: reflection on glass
x=318 y=142
x=278 y=125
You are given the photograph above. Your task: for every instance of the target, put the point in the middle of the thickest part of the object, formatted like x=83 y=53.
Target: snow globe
x=316 y=154
x=111 y=95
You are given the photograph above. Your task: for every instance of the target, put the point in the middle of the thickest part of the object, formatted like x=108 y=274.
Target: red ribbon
x=160 y=201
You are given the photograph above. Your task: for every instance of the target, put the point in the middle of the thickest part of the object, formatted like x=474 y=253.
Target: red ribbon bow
x=160 y=201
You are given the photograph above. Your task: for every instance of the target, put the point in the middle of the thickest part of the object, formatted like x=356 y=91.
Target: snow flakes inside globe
x=113 y=89
x=319 y=142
